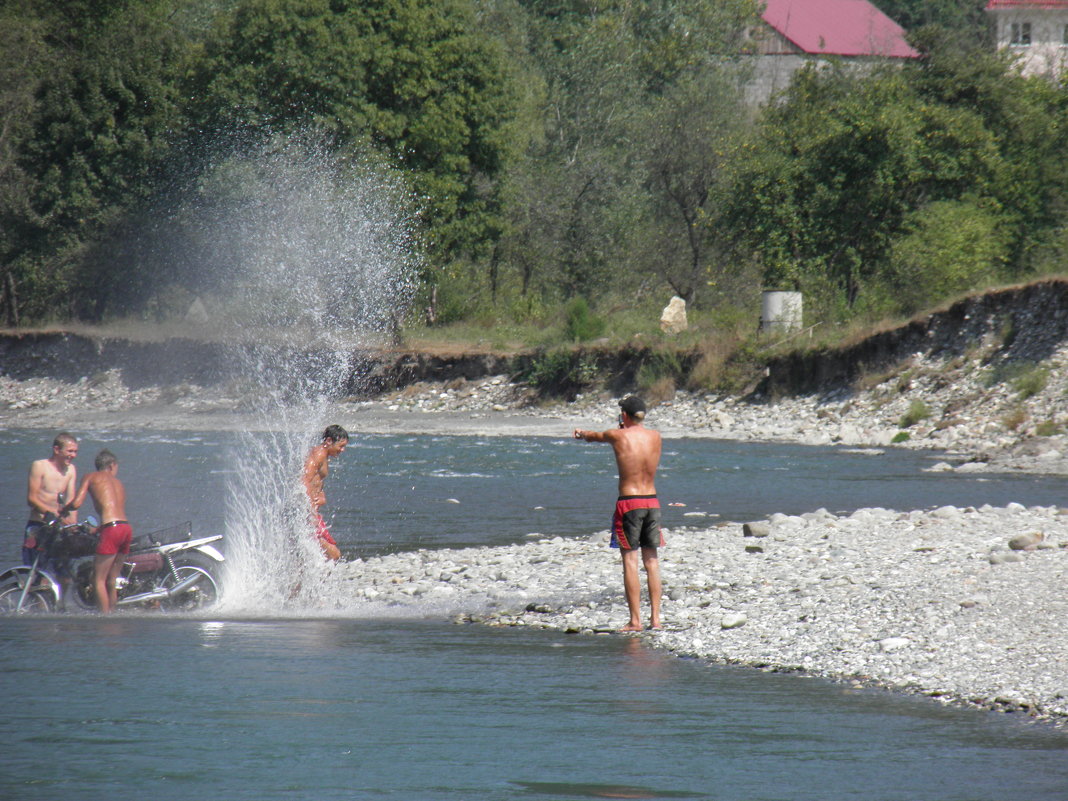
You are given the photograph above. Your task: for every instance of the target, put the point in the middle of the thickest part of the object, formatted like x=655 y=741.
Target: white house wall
x=1047 y=54
x=769 y=75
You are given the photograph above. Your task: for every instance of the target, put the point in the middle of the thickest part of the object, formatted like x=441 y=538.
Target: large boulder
x=673 y=318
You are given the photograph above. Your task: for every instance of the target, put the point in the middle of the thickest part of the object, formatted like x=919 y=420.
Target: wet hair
x=335 y=433
x=105 y=459
x=62 y=439
x=633 y=406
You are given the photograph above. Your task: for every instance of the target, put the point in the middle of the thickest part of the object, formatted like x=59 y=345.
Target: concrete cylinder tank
x=781 y=312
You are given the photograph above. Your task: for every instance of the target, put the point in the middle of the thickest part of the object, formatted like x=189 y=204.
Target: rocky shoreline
x=980 y=416
x=932 y=602
x=960 y=605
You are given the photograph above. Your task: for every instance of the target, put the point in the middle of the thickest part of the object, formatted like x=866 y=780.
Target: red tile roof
x=838 y=27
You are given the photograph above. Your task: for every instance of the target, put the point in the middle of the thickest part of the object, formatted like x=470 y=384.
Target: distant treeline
x=550 y=149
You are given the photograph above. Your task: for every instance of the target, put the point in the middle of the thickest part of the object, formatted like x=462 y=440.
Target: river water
x=257 y=706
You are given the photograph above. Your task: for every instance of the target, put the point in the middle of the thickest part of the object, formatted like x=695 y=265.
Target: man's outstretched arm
x=593 y=436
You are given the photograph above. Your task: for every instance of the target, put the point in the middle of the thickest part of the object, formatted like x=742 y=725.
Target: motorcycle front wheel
x=202 y=594
x=82 y=589
x=36 y=600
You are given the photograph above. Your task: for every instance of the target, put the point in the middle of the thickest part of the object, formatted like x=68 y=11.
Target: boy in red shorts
x=316 y=469
x=109 y=498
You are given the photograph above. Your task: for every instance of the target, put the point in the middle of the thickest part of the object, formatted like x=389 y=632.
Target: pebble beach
x=961 y=605
x=950 y=603
x=964 y=605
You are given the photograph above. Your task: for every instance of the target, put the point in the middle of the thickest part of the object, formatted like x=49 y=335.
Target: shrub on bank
x=917 y=411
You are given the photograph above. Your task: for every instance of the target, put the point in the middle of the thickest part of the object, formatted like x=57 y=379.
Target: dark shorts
x=58 y=567
x=636 y=522
x=114 y=538
x=29 y=539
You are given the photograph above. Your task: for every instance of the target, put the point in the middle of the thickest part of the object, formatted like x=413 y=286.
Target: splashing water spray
x=319 y=263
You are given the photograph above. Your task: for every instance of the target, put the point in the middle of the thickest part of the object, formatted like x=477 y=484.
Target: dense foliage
x=902 y=187
x=96 y=93
x=965 y=20
x=554 y=150
x=410 y=77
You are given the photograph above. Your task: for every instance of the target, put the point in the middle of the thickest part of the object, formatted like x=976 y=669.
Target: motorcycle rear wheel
x=201 y=595
x=36 y=601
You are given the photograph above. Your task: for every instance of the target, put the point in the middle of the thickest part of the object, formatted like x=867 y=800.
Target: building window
x=1021 y=34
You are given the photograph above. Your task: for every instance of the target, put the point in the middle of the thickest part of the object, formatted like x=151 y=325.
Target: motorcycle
x=167 y=570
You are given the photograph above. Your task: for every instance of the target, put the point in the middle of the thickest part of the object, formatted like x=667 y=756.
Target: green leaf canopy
x=415 y=79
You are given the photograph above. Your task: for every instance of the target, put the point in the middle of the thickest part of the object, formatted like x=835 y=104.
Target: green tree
x=579 y=190
x=946 y=248
x=962 y=20
x=689 y=135
x=676 y=38
x=24 y=60
x=839 y=165
x=618 y=77
x=1025 y=115
x=96 y=134
x=415 y=79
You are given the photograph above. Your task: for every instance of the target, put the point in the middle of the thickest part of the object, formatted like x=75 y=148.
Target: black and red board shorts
x=636 y=522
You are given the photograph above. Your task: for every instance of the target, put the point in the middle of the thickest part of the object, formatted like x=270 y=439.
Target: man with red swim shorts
x=316 y=469
x=325 y=538
x=636 y=522
x=109 y=498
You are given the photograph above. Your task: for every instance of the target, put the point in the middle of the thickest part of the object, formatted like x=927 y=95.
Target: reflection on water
x=600 y=790
x=349 y=709
x=638 y=677
x=254 y=706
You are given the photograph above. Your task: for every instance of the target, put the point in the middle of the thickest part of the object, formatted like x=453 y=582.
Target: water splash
x=315 y=259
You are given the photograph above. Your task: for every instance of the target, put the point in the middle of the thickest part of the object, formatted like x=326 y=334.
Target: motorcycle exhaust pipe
x=162 y=592
x=185 y=584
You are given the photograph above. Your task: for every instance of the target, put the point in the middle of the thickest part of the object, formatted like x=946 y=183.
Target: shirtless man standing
x=316 y=469
x=636 y=522
x=109 y=498
x=48 y=479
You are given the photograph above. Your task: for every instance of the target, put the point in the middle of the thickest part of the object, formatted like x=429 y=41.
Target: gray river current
x=263 y=707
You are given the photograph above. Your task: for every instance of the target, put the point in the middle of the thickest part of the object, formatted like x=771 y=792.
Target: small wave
x=454 y=474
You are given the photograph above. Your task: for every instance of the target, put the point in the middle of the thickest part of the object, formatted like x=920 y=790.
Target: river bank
x=981 y=416
x=961 y=605
x=932 y=602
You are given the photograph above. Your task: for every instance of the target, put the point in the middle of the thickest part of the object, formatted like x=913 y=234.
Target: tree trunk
x=432 y=308
x=11 y=300
x=494 y=270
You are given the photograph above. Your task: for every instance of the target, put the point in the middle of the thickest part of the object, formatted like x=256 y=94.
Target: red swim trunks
x=114 y=538
x=322 y=533
x=636 y=522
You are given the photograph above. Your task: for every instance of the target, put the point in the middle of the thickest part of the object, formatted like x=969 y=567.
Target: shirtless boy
x=109 y=498
x=48 y=479
x=316 y=469
x=636 y=522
